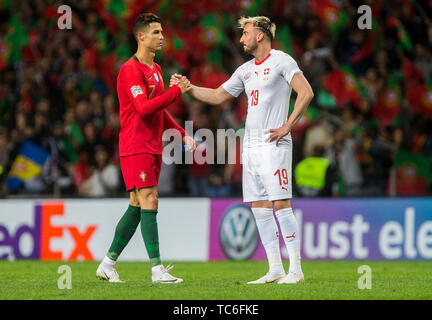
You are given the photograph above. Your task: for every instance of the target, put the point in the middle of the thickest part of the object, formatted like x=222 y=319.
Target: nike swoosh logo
x=165 y=280
x=276 y=279
x=105 y=274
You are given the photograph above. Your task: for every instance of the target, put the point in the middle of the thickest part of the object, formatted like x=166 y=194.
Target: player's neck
x=145 y=56
x=261 y=53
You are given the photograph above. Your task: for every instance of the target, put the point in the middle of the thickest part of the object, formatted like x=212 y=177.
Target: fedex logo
x=41 y=233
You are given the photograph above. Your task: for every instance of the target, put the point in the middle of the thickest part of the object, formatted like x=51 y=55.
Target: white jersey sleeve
x=288 y=67
x=234 y=85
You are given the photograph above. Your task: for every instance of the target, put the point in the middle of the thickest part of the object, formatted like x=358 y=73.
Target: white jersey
x=267 y=86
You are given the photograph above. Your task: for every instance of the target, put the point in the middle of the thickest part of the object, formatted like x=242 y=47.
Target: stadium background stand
x=372 y=111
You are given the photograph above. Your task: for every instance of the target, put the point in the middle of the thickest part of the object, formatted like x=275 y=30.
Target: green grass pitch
x=220 y=280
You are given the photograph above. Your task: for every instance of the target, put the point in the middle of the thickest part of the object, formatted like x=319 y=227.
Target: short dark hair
x=143 y=21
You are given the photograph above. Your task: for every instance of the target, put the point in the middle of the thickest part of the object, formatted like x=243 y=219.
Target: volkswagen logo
x=238 y=233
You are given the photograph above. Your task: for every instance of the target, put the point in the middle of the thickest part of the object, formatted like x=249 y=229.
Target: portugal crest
x=143 y=176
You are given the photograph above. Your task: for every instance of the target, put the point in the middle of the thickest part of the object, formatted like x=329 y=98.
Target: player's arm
x=169 y=123
x=206 y=95
x=136 y=90
x=210 y=96
x=304 y=96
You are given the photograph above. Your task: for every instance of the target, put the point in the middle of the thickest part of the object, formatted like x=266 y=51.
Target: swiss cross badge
x=266 y=71
x=143 y=176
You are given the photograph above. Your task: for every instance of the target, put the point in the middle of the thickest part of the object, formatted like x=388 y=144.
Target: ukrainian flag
x=27 y=165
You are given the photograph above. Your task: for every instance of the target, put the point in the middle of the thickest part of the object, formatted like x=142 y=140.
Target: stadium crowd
x=371 y=117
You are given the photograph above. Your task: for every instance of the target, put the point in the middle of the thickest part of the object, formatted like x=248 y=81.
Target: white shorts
x=267 y=173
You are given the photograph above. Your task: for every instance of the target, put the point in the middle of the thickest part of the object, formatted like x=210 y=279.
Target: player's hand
x=184 y=84
x=189 y=143
x=175 y=78
x=277 y=134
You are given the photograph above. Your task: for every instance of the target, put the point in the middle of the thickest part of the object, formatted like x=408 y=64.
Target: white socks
x=268 y=232
x=108 y=262
x=289 y=230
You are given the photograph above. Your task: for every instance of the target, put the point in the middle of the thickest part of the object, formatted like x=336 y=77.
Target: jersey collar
x=258 y=63
x=136 y=59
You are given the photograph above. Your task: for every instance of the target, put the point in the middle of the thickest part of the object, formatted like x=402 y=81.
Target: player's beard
x=250 y=49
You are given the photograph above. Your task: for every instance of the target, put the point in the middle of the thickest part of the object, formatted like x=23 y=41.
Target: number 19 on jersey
x=254 y=97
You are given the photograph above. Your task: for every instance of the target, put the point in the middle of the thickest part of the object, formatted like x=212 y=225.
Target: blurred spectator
x=64 y=143
x=342 y=154
x=199 y=170
x=91 y=138
x=423 y=60
x=233 y=168
x=82 y=113
x=372 y=83
x=377 y=146
x=318 y=134
x=315 y=175
x=98 y=111
x=4 y=158
x=314 y=60
x=81 y=170
x=104 y=179
x=350 y=126
x=72 y=130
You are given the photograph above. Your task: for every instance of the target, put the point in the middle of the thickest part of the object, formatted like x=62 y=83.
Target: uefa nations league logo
x=238 y=233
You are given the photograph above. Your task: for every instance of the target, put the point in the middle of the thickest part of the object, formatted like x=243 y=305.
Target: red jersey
x=143 y=117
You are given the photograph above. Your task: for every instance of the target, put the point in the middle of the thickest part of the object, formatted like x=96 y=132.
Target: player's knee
x=148 y=199
x=281 y=204
x=152 y=199
x=262 y=204
x=133 y=201
x=153 y=196
x=262 y=213
x=283 y=214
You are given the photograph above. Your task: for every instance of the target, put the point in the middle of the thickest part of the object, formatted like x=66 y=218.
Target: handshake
x=181 y=81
